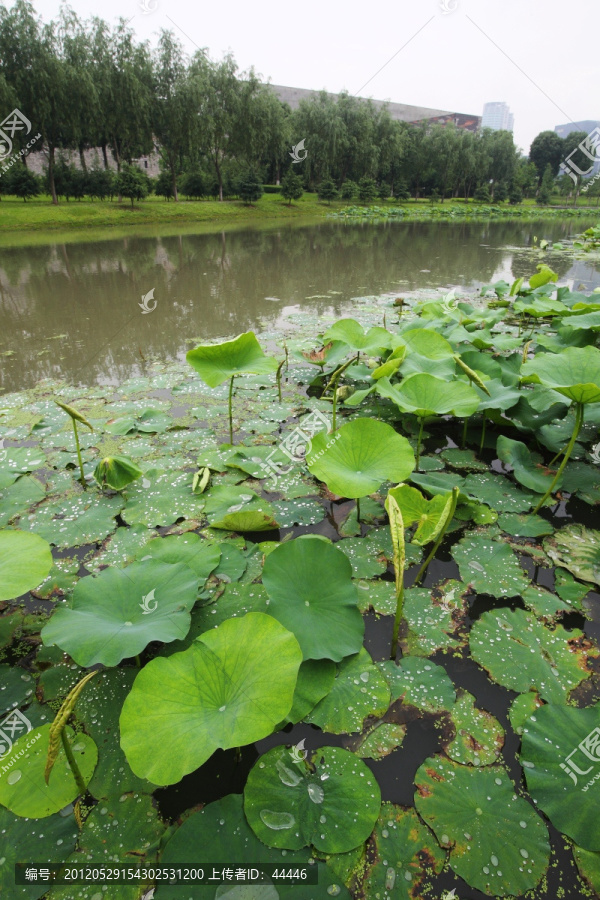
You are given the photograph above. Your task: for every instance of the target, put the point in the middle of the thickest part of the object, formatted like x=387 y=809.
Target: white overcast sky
x=539 y=56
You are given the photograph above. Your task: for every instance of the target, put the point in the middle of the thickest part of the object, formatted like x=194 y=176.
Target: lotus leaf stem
x=79 y=460
x=278 y=376
x=464 y=434
x=73 y=765
x=230 y=410
x=482 y=433
x=419 y=439
x=567 y=453
x=358 y=509
x=441 y=535
x=398 y=616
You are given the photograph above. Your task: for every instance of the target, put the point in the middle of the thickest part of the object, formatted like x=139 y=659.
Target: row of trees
x=87 y=84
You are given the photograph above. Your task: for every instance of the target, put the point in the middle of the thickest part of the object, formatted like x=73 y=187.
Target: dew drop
x=277 y=821
x=390 y=878
x=333 y=890
x=14 y=776
x=316 y=792
x=494 y=860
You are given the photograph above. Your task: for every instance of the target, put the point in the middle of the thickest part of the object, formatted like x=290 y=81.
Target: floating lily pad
x=497 y=842
x=524 y=525
x=289 y=806
x=462 y=459
x=366 y=558
x=420 y=683
x=199 y=555
x=298 y=512
x=25 y=840
x=522 y=654
x=588 y=864
x=577 y=549
x=25 y=561
x=430 y=626
x=479 y=736
x=23 y=789
x=239 y=509
x=310 y=587
x=359 y=690
x=526 y=466
x=381 y=741
x=18 y=497
x=121 y=827
x=117 y=613
x=315 y=680
x=404 y=853
x=76 y=521
x=560 y=753
x=543 y=603
x=378 y=595
x=121 y=547
x=490 y=566
x=16 y=686
x=497 y=492
x=568 y=589
x=239 y=683
x=216 y=363
x=360 y=457
x=161 y=498
x=521 y=708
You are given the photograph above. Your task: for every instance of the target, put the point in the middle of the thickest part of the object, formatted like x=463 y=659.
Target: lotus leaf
x=479 y=736
x=117 y=613
x=288 y=805
x=431 y=515
x=239 y=509
x=523 y=654
x=497 y=842
x=491 y=567
x=116 y=472
x=577 y=548
x=309 y=583
x=216 y=363
x=526 y=466
x=51 y=838
x=25 y=560
x=358 y=691
x=315 y=680
x=561 y=758
x=351 y=333
x=563 y=372
x=201 y=556
x=420 y=683
x=425 y=395
x=360 y=457
x=231 y=687
x=23 y=789
x=75 y=521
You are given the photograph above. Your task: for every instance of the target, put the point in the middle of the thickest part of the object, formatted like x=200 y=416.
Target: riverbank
x=20 y=221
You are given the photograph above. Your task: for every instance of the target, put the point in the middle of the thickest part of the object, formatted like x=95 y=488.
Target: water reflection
x=71 y=310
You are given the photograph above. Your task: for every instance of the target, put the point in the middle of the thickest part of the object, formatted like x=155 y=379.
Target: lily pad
x=216 y=363
x=381 y=740
x=490 y=566
x=120 y=611
x=430 y=626
x=25 y=561
x=526 y=466
x=239 y=509
x=366 y=558
x=23 y=789
x=497 y=492
x=479 y=736
x=75 y=521
x=16 y=686
x=161 y=498
x=577 y=549
x=498 y=844
x=561 y=757
x=359 y=457
x=522 y=654
x=309 y=583
x=359 y=690
x=239 y=683
x=430 y=515
x=521 y=525
x=24 y=840
x=521 y=708
x=420 y=683
x=564 y=372
x=288 y=805
x=315 y=681
x=201 y=556
x=404 y=852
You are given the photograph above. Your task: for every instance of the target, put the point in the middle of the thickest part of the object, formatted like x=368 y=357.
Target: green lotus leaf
x=309 y=583
x=315 y=680
x=198 y=554
x=588 y=864
x=404 y=853
x=420 y=683
x=222 y=831
x=577 y=320
x=380 y=741
x=577 y=549
x=386 y=370
x=351 y=333
x=116 y=472
x=359 y=457
x=479 y=736
x=498 y=844
x=117 y=613
x=53 y=838
x=521 y=708
x=425 y=395
x=358 y=691
x=16 y=686
x=366 y=556
x=524 y=525
x=216 y=363
x=527 y=467
x=491 y=567
x=430 y=515
x=560 y=754
x=18 y=497
x=424 y=342
x=431 y=625
x=23 y=788
x=74 y=414
x=498 y=492
x=522 y=654
x=233 y=508
x=543 y=276
x=289 y=806
x=230 y=688
x=541 y=307
x=501 y=396
x=74 y=521
x=15 y=461
x=25 y=560
x=564 y=372
x=162 y=498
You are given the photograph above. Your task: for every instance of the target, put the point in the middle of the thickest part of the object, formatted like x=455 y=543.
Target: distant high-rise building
x=498 y=117
x=587 y=125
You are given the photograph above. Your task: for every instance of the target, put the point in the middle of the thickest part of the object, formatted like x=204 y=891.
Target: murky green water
x=71 y=310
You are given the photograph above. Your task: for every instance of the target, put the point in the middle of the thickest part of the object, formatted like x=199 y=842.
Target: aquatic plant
x=75 y=418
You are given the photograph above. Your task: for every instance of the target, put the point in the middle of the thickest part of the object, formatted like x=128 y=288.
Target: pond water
x=72 y=310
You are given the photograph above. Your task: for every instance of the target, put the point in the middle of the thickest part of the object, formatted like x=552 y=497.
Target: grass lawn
x=22 y=222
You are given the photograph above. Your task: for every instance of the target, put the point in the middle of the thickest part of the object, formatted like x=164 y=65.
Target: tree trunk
x=174 y=180
x=219 y=179
x=104 y=155
x=82 y=160
x=51 y=149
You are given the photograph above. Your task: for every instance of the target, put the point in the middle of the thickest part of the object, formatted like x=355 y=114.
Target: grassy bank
x=20 y=220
